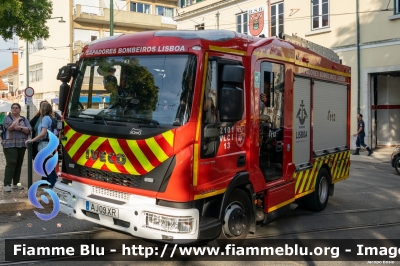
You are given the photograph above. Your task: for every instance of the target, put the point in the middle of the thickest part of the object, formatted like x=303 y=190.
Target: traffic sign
x=28 y=100
x=29 y=92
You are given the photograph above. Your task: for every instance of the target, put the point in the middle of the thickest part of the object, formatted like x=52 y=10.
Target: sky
x=5 y=54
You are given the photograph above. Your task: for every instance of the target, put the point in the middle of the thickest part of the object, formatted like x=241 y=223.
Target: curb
x=15 y=205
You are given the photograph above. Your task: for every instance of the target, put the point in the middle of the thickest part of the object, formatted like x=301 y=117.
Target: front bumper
x=133 y=211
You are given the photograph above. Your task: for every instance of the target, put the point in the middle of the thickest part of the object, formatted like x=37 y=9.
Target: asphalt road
x=365 y=206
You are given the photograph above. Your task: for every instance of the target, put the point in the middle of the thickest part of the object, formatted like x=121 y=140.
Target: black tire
x=318 y=200
x=236 y=216
x=397 y=165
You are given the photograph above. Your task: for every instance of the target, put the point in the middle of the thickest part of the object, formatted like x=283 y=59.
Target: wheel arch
x=241 y=181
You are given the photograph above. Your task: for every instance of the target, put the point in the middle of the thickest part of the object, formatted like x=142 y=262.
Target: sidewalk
x=382 y=155
x=18 y=199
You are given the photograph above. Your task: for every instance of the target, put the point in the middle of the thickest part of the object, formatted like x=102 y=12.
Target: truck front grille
x=110 y=177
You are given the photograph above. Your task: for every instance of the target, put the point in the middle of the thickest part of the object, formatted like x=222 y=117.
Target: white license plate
x=102 y=209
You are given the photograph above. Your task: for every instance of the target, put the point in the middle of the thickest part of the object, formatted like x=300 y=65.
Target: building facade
x=85 y=21
x=9 y=89
x=369 y=44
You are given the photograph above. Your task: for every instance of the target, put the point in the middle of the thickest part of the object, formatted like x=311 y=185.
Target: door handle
x=241 y=160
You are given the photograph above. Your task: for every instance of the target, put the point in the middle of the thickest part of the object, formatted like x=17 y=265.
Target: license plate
x=102 y=209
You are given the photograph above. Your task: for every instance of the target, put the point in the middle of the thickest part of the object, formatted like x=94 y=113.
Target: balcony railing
x=123 y=19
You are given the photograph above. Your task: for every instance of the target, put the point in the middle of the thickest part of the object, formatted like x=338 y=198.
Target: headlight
x=172 y=224
x=62 y=196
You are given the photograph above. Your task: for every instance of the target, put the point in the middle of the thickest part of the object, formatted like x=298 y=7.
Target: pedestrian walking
x=17 y=132
x=360 y=136
x=45 y=121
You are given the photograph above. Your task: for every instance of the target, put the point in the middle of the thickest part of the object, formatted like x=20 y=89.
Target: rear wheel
x=318 y=200
x=236 y=216
x=397 y=165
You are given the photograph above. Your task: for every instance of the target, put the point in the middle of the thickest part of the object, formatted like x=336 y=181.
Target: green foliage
x=24 y=18
x=140 y=81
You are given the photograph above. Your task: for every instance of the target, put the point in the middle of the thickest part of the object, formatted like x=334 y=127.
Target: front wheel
x=236 y=216
x=397 y=165
x=318 y=200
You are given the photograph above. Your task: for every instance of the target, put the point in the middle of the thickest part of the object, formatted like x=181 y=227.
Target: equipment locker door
x=301 y=122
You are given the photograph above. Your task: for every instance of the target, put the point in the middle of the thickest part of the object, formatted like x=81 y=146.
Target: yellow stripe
x=303 y=182
x=198 y=126
x=94 y=146
x=273 y=208
x=227 y=50
x=169 y=137
x=78 y=143
x=339 y=73
x=342 y=178
x=298 y=180
x=69 y=135
x=202 y=196
x=195 y=164
x=97 y=165
x=312 y=174
x=342 y=169
x=117 y=149
x=304 y=193
x=156 y=149
x=273 y=56
x=140 y=155
x=309 y=181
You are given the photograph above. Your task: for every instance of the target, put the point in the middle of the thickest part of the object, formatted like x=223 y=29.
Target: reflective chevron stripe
x=135 y=157
x=305 y=180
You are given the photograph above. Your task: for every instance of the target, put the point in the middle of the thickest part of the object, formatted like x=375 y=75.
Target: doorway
x=385 y=109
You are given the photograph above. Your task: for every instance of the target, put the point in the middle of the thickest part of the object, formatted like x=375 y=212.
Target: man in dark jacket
x=360 y=136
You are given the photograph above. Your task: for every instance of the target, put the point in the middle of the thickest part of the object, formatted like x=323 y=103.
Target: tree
x=25 y=18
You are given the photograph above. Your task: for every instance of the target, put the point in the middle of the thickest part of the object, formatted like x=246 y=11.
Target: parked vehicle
x=187 y=150
x=396 y=159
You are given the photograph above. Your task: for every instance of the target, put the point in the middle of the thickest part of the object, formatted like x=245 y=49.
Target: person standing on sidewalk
x=18 y=129
x=46 y=114
x=360 y=136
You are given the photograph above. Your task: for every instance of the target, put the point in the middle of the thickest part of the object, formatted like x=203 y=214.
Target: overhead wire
x=289 y=19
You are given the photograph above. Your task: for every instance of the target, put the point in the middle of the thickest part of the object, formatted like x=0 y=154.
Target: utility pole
x=358 y=57
x=217 y=15
x=111 y=18
x=27 y=78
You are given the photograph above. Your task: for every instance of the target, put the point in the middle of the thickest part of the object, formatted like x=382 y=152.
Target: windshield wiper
x=142 y=119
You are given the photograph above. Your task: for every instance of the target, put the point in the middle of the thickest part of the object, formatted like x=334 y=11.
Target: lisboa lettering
x=301 y=134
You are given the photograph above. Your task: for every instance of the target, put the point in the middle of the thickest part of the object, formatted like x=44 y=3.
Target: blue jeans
x=360 y=141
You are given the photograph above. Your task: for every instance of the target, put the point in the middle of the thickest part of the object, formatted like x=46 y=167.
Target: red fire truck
x=166 y=137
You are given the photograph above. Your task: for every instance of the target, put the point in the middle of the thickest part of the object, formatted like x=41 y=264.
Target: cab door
x=271 y=120
x=223 y=155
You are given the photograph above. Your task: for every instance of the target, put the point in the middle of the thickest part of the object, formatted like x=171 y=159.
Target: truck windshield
x=149 y=89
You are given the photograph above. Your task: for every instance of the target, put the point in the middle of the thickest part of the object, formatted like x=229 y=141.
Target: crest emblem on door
x=302 y=113
x=240 y=135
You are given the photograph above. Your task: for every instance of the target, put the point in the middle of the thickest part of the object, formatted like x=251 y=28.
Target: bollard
x=29 y=164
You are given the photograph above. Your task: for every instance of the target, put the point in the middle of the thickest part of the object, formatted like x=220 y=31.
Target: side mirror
x=62 y=96
x=231 y=104
x=211 y=132
x=232 y=74
x=231 y=97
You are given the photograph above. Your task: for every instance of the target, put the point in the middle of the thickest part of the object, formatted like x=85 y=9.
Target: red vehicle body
x=223 y=164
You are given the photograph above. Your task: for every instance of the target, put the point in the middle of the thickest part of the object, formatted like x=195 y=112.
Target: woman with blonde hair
x=46 y=114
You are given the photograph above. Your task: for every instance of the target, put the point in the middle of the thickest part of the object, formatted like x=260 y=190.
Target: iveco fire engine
x=165 y=134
